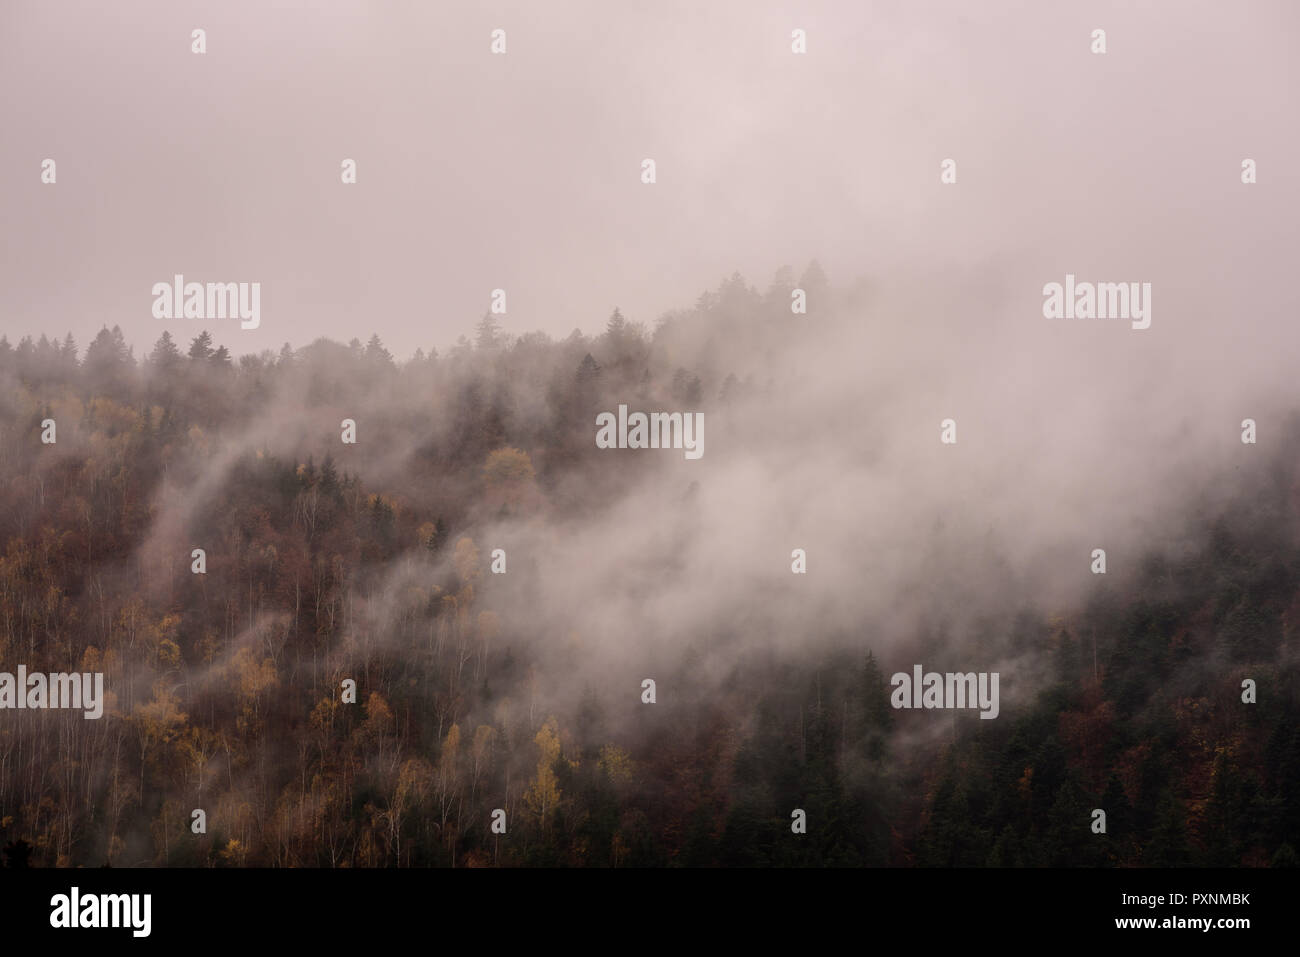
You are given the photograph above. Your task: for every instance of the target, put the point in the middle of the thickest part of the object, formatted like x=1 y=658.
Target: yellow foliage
x=254 y=676
x=616 y=763
x=163 y=636
x=160 y=720
x=412 y=782
x=322 y=716
x=169 y=653
x=483 y=736
x=379 y=716
x=466 y=560
x=111 y=418
x=548 y=741
x=234 y=852
x=452 y=743
x=197 y=438
x=543 y=794
x=508 y=465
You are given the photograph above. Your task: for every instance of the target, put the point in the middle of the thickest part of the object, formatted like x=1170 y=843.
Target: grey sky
x=522 y=171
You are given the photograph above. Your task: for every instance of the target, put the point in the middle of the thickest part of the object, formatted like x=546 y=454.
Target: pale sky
x=522 y=171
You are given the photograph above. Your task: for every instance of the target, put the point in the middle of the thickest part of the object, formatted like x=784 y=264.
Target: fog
x=522 y=172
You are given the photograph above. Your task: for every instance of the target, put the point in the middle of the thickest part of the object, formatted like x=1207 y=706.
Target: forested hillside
x=326 y=562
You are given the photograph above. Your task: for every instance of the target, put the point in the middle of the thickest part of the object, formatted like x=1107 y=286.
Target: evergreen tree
x=875 y=709
x=376 y=354
x=201 y=347
x=1168 y=844
x=487 y=334
x=108 y=360
x=165 y=355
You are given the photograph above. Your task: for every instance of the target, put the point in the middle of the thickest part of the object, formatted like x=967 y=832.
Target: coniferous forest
x=495 y=589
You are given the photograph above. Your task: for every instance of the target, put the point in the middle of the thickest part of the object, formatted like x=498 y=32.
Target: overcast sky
x=522 y=171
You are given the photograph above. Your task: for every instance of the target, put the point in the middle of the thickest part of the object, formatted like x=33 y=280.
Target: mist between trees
x=372 y=562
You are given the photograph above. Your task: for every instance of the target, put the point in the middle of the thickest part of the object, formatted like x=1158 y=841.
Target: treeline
x=325 y=565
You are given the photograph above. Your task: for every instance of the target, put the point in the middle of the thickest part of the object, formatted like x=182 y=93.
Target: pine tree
x=165 y=355
x=201 y=348
x=615 y=330
x=107 y=359
x=329 y=477
x=487 y=332
x=586 y=385
x=877 y=714
x=376 y=353
x=588 y=373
